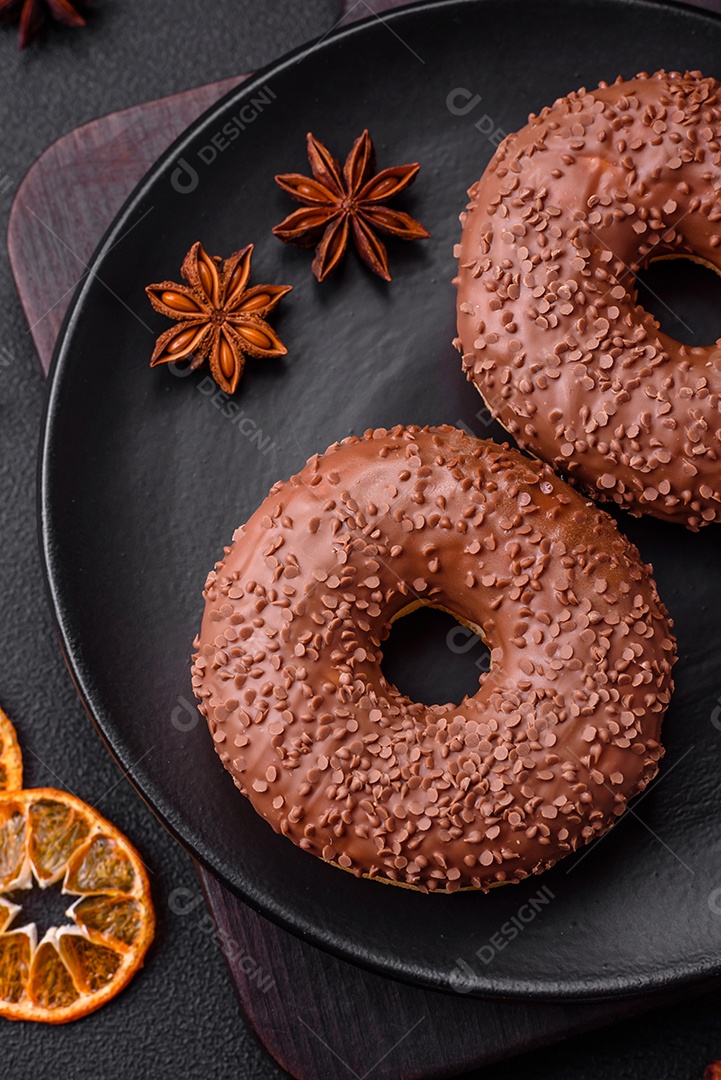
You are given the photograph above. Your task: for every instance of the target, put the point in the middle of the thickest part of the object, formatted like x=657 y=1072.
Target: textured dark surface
x=180 y=1017
x=168 y=1032
x=71 y=194
x=311 y=1002
x=142 y=487
x=324 y=1017
x=314 y=1012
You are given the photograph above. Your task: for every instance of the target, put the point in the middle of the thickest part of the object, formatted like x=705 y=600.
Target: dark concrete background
x=179 y=1018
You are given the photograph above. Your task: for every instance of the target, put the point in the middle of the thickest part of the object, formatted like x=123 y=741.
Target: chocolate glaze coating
x=594 y=187
x=564 y=728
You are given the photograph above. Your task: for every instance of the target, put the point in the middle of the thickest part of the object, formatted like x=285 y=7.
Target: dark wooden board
x=354 y=1021
x=73 y=192
x=324 y=1019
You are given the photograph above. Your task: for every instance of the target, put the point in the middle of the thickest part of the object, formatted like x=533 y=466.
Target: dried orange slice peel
x=49 y=837
x=11 y=761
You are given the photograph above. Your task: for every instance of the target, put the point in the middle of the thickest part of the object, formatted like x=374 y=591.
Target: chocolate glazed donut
x=564 y=728
x=597 y=186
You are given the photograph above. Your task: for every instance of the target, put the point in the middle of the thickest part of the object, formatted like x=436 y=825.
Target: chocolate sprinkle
x=564 y=728
x=594 y=188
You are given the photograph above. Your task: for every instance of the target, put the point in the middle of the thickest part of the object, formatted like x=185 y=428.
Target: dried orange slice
x=11 y=761
x=49 y=837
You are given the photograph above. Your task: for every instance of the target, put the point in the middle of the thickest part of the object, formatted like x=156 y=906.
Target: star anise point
x=34 y=13
x=337 y=201
x=218 y=316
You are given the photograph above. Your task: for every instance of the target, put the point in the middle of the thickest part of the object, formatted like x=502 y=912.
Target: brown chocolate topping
x=563 y=730
x=595 y=187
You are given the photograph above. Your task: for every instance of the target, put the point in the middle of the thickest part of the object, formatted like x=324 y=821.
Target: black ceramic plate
x=146 y=474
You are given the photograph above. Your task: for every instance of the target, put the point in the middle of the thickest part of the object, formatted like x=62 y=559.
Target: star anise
x=339 y=200
x=33 y=14
x=220 y=319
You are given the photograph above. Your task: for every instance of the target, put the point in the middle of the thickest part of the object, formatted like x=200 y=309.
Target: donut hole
x=44 y=907
x=684 y=295
x=433 y=659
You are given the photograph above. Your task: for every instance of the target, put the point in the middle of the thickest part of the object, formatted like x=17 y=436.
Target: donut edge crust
x=563 y=503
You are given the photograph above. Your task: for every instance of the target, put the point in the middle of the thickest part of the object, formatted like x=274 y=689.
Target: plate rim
x=570 y=990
